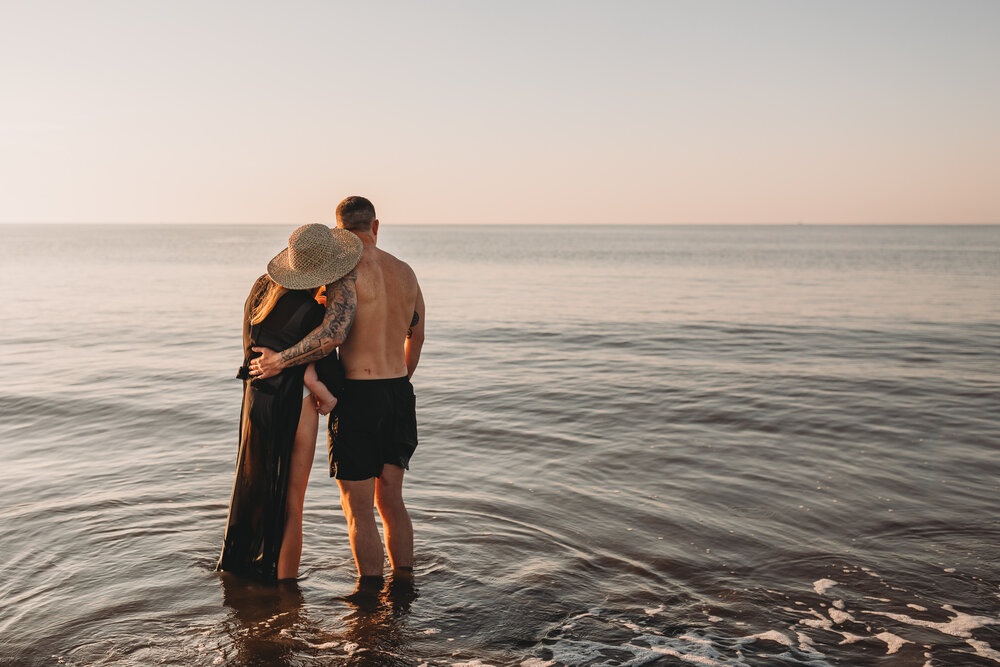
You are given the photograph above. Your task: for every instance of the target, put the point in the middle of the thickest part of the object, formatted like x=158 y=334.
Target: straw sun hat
x=316 y=255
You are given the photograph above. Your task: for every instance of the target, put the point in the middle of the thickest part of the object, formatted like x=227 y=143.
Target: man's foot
x=326 y=407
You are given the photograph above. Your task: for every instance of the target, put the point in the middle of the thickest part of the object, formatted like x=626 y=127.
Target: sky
x=470 y=112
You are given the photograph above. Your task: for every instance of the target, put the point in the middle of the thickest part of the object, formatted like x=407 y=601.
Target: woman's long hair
x=267 y=296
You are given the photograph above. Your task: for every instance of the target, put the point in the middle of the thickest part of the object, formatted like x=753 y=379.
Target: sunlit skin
x=388 y=295
x=303 y=451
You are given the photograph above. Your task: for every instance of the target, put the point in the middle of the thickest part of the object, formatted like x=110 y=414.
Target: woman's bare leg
x=298 y=476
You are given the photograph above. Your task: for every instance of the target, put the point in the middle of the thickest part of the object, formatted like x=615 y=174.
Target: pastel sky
x=468 y=111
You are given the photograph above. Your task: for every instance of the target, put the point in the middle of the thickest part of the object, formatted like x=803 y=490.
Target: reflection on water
x=272 y=624
x=374 y=628
x=261 y=620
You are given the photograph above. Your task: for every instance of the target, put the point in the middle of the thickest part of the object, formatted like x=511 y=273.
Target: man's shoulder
x=396 y=265
x=385 y=256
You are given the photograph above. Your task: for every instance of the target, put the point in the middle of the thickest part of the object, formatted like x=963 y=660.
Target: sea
x=639 y=445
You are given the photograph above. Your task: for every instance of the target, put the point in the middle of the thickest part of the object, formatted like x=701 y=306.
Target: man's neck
x=367 y=238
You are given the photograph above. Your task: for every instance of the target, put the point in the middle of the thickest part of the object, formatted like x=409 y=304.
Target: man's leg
x=357 y=500
x=395 y=518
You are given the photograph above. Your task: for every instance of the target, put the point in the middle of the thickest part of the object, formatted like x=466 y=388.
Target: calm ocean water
x=639 y=446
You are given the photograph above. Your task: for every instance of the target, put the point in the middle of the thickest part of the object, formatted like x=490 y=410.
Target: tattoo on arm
x=413 y=323
x=341 y=302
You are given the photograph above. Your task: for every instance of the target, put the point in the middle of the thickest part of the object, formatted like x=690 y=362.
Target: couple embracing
x=374 y=315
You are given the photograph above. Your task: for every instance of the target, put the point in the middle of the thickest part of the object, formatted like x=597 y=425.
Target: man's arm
x=341 y=302
x=415 y=335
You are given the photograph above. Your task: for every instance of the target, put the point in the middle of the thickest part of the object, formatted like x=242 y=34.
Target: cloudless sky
x=469 y=111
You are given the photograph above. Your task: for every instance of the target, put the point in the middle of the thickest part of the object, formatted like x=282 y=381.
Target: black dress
x=268 y=421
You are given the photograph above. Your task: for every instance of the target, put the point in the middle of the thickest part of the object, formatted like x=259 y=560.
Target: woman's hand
x=267 y=365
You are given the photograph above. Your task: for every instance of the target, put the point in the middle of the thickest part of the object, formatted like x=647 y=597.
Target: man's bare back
x=388 y=296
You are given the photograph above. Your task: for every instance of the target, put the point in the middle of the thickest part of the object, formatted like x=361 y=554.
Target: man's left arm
x=415 y=335
x=341 y=303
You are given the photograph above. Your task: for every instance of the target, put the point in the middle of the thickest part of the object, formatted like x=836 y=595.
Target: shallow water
x=639 y=446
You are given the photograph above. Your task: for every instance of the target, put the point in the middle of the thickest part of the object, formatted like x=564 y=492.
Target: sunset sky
x=501 y=112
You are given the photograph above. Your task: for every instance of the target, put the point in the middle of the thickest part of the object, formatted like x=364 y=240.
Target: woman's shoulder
x=256 y=292
x=260 y=283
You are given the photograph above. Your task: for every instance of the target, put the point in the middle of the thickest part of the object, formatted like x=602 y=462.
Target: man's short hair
x=356 y=214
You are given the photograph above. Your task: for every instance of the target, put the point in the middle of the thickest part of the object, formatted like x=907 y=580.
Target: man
x=375 y=315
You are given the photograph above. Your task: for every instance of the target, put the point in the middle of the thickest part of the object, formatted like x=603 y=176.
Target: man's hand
x=267 y=365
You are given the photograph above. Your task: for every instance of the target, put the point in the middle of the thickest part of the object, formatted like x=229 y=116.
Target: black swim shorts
x=374 y=423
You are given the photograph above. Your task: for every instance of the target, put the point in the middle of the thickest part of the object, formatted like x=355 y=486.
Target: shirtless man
x=375 y=315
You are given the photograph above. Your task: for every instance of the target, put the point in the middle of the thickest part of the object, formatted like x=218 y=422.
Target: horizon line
x=517 y=224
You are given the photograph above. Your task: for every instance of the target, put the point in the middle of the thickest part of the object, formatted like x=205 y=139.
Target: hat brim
x=348 y=253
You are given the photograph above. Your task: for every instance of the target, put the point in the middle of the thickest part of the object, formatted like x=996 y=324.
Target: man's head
x=356 y=214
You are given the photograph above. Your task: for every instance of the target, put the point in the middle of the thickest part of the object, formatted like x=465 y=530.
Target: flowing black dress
x=268 y=421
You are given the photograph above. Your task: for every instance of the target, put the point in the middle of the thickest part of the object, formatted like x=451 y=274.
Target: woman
x=278 y=423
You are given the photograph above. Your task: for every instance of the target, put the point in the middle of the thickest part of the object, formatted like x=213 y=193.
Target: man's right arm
x=415 y=335
x=341 y=304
